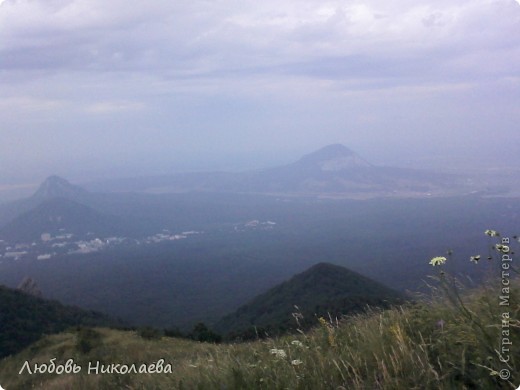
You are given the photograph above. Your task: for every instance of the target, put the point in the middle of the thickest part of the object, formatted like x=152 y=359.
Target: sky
x=96 y=89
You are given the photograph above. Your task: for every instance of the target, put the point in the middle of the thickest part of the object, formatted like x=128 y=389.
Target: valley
x=177 y=258
x=174 y=279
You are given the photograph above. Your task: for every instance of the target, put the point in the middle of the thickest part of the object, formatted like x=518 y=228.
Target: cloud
x=30 y=104
x=243 y=74
x=200 y=38
x=108 y=107
x=243 y=40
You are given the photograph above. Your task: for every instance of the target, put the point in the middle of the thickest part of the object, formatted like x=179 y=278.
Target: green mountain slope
x=322 y=290
x=402 y=348
x=25 y=318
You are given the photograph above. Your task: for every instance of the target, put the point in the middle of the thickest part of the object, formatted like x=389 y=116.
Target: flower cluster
x=492 y=233
x=278 y=353
x=475 y=259
x=439 y=260
x=330 y=331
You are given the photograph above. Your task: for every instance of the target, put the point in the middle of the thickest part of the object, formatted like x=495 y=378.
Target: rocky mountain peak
x=57 y=187
x=29 y=286
x=335 y=157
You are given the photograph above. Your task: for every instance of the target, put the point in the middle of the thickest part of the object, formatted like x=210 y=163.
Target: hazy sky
x=96 y=87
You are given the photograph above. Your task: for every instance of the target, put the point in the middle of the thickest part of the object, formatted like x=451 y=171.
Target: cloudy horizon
x=93 y=89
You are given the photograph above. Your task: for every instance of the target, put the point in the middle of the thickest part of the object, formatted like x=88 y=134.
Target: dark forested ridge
x=321 y=291
x=25 y=318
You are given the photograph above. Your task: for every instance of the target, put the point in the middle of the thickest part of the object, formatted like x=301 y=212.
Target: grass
x=433 y=344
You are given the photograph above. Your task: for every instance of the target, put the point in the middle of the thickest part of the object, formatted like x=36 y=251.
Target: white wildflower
x=474 y=259
x=297 y=343
x=296 y=362
x=439 y=260
x=279 y=353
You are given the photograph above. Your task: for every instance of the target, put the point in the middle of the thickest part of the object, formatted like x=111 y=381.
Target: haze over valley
x=178 y=249
x=311 y=194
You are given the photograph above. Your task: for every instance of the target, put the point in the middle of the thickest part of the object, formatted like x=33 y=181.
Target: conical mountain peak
x=324 y=289
x=334 y=157
x=58 y=187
